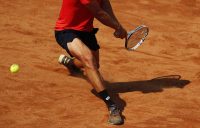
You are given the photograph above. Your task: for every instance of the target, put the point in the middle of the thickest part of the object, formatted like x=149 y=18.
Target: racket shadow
x=148 y=86
x=145 y=86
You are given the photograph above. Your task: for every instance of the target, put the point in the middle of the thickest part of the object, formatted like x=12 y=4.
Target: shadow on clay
x=154 y=85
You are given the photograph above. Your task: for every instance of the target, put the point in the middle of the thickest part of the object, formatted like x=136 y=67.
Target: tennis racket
x=136 y=37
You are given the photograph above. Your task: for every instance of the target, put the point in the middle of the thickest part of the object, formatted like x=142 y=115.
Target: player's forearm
x=102 y=15
x=106 y=6
x=106 y=19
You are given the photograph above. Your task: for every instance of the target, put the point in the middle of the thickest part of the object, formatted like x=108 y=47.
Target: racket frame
x=131 y=33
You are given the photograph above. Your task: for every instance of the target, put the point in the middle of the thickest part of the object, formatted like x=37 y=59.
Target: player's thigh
x=79 y=50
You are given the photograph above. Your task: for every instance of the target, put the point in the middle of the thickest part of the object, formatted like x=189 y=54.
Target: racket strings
x=136 y=38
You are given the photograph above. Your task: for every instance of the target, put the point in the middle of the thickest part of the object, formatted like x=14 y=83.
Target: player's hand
x=120 y=33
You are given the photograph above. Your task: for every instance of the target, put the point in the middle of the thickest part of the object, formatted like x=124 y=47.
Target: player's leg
x=73 y=64
x=90 y=60
x=80 y=51
x=65 y=59
x=96 y=56
x=78 y=63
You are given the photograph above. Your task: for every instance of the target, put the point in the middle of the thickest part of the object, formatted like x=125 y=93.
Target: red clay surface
x=157 y=86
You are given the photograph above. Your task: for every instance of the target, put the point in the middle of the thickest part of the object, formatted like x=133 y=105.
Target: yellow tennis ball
x=14 y=68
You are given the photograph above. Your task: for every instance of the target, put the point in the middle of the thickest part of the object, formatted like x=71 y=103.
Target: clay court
x=157 y=86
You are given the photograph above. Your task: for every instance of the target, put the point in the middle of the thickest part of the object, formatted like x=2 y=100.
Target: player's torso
x=74 y=15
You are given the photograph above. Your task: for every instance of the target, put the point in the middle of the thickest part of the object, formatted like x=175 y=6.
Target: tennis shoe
x=115 y=117
x=68 y=62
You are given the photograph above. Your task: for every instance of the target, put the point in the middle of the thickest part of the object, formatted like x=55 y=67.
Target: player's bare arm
x=120 y=32
x=106 y=16
x=106 y=6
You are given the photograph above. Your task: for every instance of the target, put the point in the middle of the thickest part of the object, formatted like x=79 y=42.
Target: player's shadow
x=146 y=86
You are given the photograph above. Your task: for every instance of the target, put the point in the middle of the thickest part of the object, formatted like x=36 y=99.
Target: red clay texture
x=157 y=86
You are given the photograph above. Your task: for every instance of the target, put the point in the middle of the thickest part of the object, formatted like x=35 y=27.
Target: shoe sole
x=115 y=123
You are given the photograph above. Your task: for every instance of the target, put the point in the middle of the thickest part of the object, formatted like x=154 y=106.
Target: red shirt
x=74 y=15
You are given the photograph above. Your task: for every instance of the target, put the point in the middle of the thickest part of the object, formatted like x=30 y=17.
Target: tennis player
x=75 y=33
